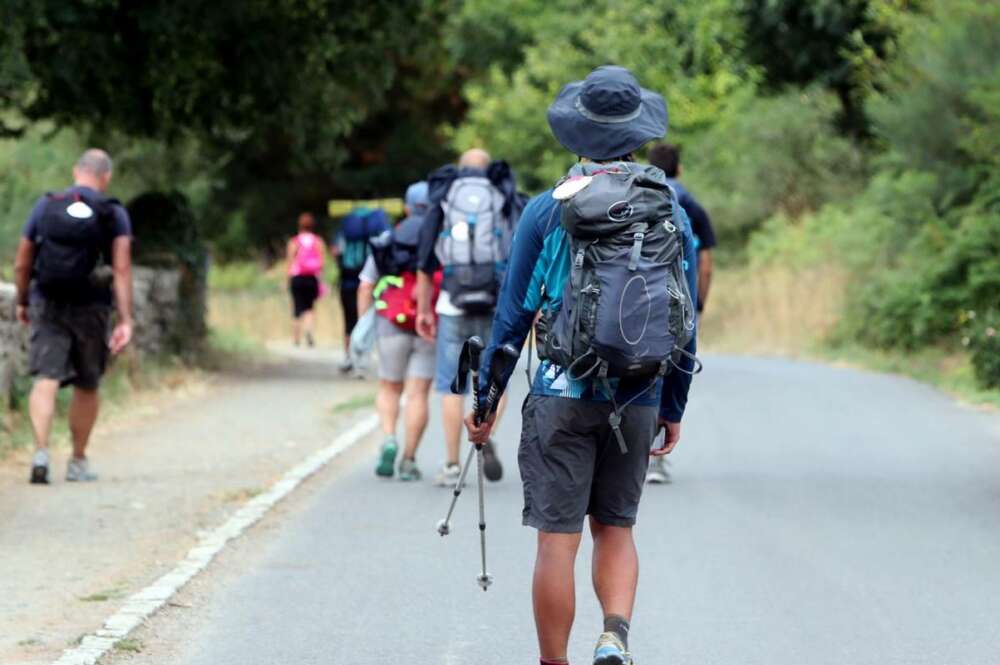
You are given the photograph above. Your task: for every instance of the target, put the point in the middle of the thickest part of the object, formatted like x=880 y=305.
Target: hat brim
x=598 y=140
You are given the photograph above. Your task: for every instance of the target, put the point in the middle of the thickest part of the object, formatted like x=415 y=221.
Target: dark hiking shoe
x=40 y=468
x=492 y=468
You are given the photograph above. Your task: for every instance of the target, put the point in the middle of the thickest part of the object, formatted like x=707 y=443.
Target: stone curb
x=145 y=603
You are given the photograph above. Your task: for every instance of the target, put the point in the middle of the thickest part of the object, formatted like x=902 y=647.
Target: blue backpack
x=358 y=228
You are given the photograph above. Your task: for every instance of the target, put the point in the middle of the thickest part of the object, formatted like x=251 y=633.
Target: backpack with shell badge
x=626 y=310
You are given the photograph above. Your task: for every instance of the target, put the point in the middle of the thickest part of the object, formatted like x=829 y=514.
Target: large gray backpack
x=475 y=242
x=626 y=308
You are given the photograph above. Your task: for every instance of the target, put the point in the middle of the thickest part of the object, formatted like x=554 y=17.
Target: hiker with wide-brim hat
x=590 y=420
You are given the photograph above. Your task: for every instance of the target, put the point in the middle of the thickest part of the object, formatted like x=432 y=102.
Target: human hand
x=427 y=326
x=22 y=315
x=120 y=337
x=670 y=441
x=479 y=433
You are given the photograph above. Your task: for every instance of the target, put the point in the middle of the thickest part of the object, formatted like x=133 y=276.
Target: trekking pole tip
x=443 y=528
x=484 y=580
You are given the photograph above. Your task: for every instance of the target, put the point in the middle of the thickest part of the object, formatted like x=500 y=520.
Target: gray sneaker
x=78 y=470
x=40 y=467
x=408 y=470
x=658 y=472
x=448 y=475
x=611 y=651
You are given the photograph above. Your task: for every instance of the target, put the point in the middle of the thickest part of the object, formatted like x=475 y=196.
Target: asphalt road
x=817 y=516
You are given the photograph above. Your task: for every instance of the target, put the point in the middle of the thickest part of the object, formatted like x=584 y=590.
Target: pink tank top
x=309 y=258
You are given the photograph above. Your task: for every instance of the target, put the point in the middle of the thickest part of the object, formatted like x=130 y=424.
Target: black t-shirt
x=701 y=225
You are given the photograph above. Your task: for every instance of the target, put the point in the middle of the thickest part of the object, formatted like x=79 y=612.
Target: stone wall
x=156 y=310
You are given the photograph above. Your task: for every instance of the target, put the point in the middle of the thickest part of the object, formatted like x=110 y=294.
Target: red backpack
x=396 y=300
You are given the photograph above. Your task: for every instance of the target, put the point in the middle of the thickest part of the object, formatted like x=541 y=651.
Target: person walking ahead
x=405 y=360
x=667 y=157
x=305 y=254
x=65 y=294
x=602 y=258
x=467 y=232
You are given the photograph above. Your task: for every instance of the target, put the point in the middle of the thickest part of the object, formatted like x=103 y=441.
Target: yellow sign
x=342 y=207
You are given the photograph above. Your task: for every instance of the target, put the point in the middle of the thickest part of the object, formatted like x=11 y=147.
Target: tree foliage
x=278 y=95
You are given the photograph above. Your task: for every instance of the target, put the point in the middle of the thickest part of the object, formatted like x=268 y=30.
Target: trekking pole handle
x=475 y=345
x=503 y=360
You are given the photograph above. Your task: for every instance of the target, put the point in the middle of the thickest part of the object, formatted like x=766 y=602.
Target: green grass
x=125 y=377
x=245 y=277
x=104 y=596
x=242 y=495
x=354 y=403
x=129 y=645
x=945 y=369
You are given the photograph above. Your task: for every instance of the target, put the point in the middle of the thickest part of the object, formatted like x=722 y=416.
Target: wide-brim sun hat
x=607 y=115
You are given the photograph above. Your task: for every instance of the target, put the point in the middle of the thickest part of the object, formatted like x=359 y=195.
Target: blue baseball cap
x=417 y=196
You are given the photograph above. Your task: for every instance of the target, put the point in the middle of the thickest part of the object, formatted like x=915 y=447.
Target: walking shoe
x=611 y=651
x=387 y=458
x=40 y=467
x=345 y=366
x=492 y=468
x=408 y=470
x=448 y=475
x=310 y=342
x=658 y=472
x=78 y=470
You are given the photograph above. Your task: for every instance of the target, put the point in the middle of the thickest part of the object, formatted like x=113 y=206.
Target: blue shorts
x=452 y=333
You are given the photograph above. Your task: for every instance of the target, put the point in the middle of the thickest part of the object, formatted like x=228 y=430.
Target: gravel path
x=70 y=553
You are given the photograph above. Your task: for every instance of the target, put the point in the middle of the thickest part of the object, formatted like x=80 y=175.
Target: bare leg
x=415 y=418
x=615 y=568
x=297 y=330
x=82 y=416
x=554 y=592
x=387 y=405
x=451 y=422
x=42 y=408
x=308 y=322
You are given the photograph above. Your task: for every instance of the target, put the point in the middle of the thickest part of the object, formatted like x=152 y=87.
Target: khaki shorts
x=402 y=355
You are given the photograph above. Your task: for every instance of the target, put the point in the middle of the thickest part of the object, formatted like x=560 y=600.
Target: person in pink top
x=305 y=254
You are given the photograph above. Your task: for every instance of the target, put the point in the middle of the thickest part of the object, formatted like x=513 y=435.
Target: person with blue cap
x=590 y=421
x=406 y=361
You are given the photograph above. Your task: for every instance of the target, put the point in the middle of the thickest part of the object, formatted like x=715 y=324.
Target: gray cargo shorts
x=69 y=343
x=571 y=464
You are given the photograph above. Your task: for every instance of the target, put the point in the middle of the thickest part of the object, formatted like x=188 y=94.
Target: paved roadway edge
x=146 y=602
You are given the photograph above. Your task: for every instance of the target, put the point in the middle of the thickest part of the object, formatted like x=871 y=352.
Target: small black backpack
x=72 y=234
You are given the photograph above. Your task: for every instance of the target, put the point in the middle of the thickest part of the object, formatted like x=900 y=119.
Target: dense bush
x=922 y=239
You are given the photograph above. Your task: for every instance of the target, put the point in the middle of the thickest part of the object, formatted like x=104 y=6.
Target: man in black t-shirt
x=668 y=158
x=65 y=294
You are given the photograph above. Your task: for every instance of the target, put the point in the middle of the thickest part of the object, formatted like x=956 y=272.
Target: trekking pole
x=468 y=360
x=503 y=360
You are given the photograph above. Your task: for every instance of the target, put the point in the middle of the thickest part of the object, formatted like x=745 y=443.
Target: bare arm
x=426 y=324
x=366 y=297
x=23 y=261
x=704 y=276
x=121 y=264
x=290 y=250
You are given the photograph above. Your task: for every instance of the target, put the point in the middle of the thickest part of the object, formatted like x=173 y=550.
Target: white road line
x=143 y=604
